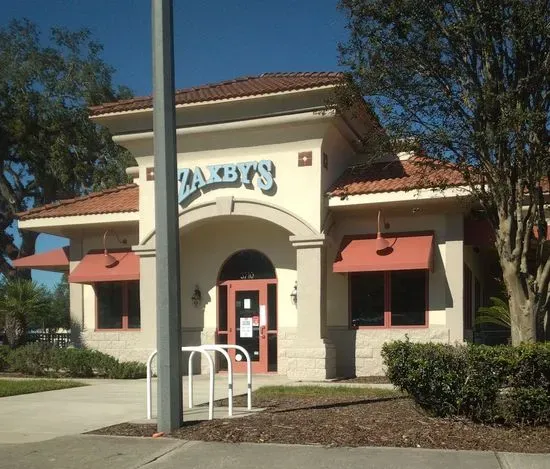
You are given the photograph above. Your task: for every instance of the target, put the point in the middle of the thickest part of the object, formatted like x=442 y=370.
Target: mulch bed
x=351 y=421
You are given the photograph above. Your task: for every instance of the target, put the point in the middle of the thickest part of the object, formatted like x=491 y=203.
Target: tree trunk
x=522 y=307
x=16 y=330
x=28 y=246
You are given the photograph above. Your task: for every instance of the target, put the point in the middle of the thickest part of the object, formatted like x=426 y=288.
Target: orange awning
x=405 y=252
x=56 y=260
x=92 y=268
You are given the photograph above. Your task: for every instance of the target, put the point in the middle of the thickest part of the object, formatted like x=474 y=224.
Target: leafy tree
x=20 y=300
x=49 y=148
x=61 y=304
x=469 y=80
x=55 y=313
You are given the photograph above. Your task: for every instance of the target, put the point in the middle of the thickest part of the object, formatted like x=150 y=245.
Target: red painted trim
x=124 y=312
x=262 y=365
x=254 y=284
x=357 y=253
x=91 y=268
x=55 y=260
x=387 y=305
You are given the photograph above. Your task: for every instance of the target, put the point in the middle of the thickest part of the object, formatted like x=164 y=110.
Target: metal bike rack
x=211 y=389
x=248 y=369
x=218 y=348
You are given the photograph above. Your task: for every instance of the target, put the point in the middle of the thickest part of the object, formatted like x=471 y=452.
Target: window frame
x=124 y=312
x=387 y=303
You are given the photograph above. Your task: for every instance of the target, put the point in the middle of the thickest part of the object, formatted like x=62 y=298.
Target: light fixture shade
x=381 y=244
x=110 y=261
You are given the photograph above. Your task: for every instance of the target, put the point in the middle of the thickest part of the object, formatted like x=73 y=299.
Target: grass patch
x=324 y=391
x=14 y=387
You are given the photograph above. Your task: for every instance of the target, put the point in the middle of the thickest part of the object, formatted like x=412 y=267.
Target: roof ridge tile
x=36 y=211
x=243 y=86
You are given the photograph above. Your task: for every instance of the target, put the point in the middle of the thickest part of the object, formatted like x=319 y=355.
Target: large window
x=388 y=299
x=118 y=305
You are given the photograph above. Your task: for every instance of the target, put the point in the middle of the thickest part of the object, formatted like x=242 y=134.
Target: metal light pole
x=170 y=398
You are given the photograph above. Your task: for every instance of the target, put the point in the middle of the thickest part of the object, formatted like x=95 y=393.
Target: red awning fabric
x=405 y=252
x=92 y=268
x=56 y=260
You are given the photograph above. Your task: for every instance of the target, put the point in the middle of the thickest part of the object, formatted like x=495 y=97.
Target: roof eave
x=149 y=109
x=64 y=225
x=393 y=197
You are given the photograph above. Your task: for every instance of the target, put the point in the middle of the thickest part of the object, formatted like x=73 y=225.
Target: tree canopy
x=469 y=80
x=49 y=148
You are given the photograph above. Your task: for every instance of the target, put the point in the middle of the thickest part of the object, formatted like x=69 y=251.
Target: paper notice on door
x=263 y=316
x=246 y=328
x=246 y=303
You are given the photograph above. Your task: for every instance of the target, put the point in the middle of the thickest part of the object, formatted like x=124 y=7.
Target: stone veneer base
x=311 y=360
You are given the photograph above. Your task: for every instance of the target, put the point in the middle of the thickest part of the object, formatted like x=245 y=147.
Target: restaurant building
x=293 y=244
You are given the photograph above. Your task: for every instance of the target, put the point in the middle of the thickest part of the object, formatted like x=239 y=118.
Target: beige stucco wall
x=358 y=351
x=281 y=145
x=204 y=249
x=314 y=334
x=125 y=345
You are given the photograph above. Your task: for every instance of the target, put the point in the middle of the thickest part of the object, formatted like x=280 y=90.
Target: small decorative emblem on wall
x=305 y=158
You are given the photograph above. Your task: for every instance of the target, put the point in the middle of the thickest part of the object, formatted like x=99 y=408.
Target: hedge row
x=40 y=359
x=500 y=384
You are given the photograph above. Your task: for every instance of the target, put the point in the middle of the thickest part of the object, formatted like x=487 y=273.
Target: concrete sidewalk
x=42 y=416
x=99 y=452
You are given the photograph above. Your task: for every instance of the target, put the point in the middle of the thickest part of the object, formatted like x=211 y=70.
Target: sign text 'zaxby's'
x=191 y=181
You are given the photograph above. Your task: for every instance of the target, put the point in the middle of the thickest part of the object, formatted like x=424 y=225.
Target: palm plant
x=20 y=300
x=498 y=313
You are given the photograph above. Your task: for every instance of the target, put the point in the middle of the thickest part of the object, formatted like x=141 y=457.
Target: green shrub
x=34 y=359
x=76 y=363
x=526 y=405
x=128 y=370
x=490 y=384
x=427 y=373
x=40 y=359
x=531 y=366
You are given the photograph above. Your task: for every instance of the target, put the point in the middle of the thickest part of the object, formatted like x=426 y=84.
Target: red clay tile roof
x=237 y=88
x=415 y=173
x=119 y=199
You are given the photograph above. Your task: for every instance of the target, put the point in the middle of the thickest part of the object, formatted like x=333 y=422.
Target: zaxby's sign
x=249 y=173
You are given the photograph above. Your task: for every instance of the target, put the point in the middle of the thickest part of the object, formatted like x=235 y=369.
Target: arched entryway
x=247 y=309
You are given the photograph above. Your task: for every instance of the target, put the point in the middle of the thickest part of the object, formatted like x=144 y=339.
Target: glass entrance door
x=248 y=323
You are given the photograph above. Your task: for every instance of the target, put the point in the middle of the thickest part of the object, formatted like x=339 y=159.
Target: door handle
x=262 y=332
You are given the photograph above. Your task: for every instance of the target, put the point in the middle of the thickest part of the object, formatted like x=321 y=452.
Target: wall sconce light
x=196 y=297
x=110 y=260
x=294 y=294
x=382 y=243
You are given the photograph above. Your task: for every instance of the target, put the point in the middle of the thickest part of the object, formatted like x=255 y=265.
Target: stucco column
x=454 y=265
x=147 y=297
x=312 y=356
x=76 y=295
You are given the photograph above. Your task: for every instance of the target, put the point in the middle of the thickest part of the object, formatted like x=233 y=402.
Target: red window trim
x=387 y=304
x=124 y=312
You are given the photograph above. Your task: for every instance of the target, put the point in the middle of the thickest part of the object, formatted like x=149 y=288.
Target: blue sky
x=214 y=40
